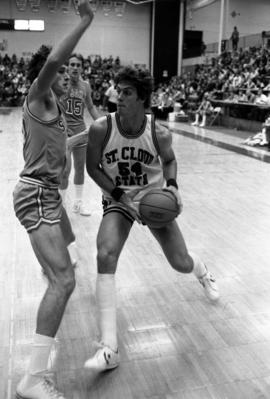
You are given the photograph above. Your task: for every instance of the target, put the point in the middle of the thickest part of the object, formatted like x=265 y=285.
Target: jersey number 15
x=74 y=107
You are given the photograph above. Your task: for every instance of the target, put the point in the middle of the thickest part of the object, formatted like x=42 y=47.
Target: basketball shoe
x=210 y=286
x=104 y=359
x=79 y=207
x=43 y=389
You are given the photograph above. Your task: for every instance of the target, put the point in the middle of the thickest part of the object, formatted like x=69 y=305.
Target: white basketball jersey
x=132 y=162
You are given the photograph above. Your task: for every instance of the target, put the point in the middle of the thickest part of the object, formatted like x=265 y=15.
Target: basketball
x=158 y=207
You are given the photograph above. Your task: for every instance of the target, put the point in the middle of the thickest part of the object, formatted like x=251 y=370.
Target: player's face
x=74 y=68
x=128 y=100
x=61 y=82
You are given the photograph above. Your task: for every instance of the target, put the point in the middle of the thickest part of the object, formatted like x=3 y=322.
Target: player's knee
x=67 y=283
x=183 y=263
x=107 y=260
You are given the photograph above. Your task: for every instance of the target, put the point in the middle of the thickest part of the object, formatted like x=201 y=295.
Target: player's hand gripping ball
x=158 y=207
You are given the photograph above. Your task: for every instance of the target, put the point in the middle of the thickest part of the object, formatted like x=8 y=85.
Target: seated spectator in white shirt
x=204 y=109
x=242 y=97
x=111 y=98
x=261 y=98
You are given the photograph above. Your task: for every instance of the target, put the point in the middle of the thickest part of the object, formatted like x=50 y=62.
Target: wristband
x=172 y=182
x=117 y=193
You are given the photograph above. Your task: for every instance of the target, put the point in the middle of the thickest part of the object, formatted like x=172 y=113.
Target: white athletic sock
x=106 y=302
x=204 y=120
x=199 y=268
x=78 y=192
x=39 y=360
x=40 y=353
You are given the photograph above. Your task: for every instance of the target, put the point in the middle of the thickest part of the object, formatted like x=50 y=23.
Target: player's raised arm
x=60 y=52
x=89 y=103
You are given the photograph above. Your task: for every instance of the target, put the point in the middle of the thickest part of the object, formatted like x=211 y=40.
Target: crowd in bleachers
x=241 y=76
x=100 y=72
x=14 y=84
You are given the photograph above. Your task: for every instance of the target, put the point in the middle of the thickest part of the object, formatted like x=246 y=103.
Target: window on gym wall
x=29 y=24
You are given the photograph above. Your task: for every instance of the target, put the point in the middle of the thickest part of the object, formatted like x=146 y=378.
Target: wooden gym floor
x=174 y=343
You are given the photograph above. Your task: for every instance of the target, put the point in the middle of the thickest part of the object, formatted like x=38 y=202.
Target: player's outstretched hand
x=85 y=10
x=177 y=196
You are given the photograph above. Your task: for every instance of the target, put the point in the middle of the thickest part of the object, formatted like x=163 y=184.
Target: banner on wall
x=35 y=5
x=65 y=5
x=196 y=4
x=21 y=4
x=94 y=5
x=119 y=8
x=76 y=3
x=52 y=5
x=107 y=6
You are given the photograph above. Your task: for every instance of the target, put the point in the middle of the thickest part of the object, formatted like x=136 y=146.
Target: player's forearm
x=170 y=170
x=61 y=52
x=99 y=177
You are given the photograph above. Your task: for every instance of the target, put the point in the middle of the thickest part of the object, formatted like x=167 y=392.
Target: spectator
x=166 y=106
x=261 y=98
x=242 y=96
x=235 y=38
x=110 y=98
x=204 y=109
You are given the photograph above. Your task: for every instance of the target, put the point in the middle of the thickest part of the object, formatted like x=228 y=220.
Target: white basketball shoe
x=210 y=286
x=104 y=359
x=43 y=389
x=79 y=207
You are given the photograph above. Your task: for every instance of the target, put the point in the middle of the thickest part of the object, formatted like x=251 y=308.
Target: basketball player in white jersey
x=74 y=102
x=128 y=154
x=37 y=202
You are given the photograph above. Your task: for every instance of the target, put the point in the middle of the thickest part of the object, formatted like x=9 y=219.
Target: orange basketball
x=158 y=207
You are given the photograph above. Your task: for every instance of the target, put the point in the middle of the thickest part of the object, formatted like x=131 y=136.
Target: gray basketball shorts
x=35 y=204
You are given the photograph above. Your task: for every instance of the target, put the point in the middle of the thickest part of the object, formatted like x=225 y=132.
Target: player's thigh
x=79 y=156
x=113 y=233
x=66 y=228
x=172 y=242
x=50 y=249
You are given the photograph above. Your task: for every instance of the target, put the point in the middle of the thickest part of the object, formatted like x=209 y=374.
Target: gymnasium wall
x=249 y=16
x=127 y=37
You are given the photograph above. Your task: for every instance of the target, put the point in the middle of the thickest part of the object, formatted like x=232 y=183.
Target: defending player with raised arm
x=74 y=102
x=37 y=201
x=128 y=154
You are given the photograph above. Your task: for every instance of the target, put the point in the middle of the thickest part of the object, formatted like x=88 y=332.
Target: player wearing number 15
x=74 y=102
x=129 y=154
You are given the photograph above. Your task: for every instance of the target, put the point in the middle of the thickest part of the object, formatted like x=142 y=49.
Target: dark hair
x=78 y=56
x=37 y=61
x=140 y=79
